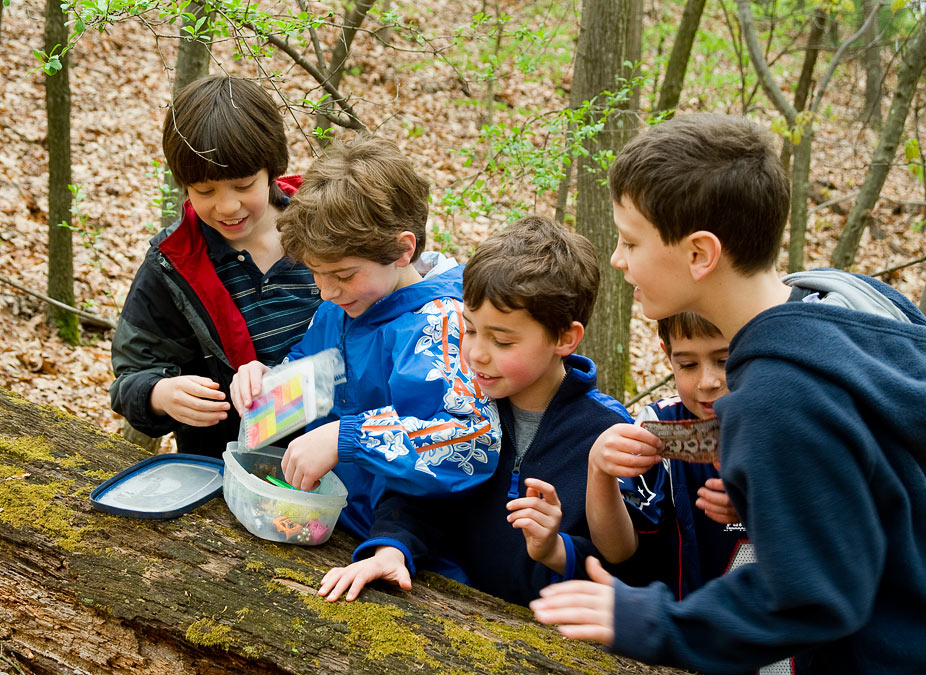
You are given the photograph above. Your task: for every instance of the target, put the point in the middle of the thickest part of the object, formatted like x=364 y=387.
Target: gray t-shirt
x=525 y=428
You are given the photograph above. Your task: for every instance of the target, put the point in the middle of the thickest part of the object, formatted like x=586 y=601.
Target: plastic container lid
x=161 y=487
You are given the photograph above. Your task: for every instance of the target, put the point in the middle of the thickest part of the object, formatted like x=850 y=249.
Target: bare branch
x=769 y=85
x=898 y=267
x=349 y=119
x=837 y=57
x=91 y=319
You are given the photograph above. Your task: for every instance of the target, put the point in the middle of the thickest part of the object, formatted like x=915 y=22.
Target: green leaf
x=911 y=149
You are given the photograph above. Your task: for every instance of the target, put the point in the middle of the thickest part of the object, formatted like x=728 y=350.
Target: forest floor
x=119 y=91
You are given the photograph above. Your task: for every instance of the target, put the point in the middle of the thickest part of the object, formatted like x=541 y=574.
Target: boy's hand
x=624 y=451
x=189 y=399
x=388 y=563
x=715 y=502
x=538 y=516
x=583 y=610
x=311 y=456
x=245 y=386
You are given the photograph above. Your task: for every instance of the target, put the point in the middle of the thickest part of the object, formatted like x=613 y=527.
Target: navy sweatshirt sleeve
x=811 y=516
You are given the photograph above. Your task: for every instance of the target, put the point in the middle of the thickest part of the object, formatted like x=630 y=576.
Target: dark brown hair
x=221 y=128
x=686 y=325
x=537 y=265
x=355 y=201
x=710 y=172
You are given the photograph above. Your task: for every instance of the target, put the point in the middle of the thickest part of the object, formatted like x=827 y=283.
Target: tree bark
x=804 y=82
x=912 y=62
x=60 y=240
x=193 y=58
x=605 y=39
x=873 y=74
x=672 y=83
x=82 y=591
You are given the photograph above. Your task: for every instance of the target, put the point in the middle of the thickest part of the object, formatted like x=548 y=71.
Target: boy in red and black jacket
x=215 y=290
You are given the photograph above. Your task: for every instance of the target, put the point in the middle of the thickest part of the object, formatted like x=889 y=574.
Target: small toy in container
x=271 y=509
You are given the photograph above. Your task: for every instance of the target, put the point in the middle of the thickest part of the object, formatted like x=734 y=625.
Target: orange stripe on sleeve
x=475 y=434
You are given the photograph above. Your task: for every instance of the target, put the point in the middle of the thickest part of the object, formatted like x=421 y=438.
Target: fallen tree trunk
x=86 y=592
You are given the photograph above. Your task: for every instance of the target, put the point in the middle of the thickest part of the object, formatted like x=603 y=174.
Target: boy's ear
x=408 y=241
x=662 y=346
x=704 y=250
x=569 y=339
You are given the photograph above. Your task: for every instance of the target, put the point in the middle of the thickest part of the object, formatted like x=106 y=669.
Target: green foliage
x=537 y=152
x=914 y=158
x=167 y=197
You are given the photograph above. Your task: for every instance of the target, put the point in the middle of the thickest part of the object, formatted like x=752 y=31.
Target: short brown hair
x=686 y=325
x=355 y=201
x=710 y=172
x=537 y=265
x=222 y=127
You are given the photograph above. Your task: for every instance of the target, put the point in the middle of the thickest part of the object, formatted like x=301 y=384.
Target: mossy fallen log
x=86 y=592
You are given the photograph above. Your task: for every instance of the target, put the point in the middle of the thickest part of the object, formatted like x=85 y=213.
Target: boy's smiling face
x=513 y=356
x=658 y=271
x=699 y=367
x=237 y=208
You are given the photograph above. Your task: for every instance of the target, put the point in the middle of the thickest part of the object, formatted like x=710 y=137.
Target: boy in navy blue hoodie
x=528 y=292
x=821 y=436
x=409 y=415
x=682 y=527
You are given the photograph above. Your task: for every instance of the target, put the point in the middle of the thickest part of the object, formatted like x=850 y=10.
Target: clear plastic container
x=279 y=513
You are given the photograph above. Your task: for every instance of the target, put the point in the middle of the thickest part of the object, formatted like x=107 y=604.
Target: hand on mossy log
x=82 y=591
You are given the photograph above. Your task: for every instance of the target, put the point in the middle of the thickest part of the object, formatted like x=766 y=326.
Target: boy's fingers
x=587 y=632
x=203 y=381
x=596 y=572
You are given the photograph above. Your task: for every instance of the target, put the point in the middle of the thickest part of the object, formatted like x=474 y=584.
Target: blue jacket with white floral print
x=411 y=416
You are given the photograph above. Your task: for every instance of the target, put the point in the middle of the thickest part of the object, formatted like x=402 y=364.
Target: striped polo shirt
x=277 y=306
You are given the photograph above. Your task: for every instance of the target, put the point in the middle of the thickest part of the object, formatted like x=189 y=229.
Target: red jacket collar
x=185 y=248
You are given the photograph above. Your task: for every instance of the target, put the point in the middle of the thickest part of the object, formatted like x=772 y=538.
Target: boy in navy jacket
x=215 y=290
x=682 y=527
x=528 y=291
x=821 y=436
x=409 y=414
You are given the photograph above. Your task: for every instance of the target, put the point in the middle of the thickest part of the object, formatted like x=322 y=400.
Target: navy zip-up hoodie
x=472 y=529
x=823 y=453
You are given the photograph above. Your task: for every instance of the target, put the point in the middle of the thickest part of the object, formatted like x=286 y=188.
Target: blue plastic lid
x=161 y=487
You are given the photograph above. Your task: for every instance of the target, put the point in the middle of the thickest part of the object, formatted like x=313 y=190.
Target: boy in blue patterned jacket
x=409 y=415
x=528 y=292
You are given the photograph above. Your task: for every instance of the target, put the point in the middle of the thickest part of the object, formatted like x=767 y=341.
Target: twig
x=644 y=394
x=830 y=202
x=92 y=319
x=899 y=267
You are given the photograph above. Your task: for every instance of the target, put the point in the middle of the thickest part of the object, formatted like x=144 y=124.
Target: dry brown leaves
x=119 y=90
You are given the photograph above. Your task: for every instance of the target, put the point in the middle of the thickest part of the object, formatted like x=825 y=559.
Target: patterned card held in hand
x=688 y=440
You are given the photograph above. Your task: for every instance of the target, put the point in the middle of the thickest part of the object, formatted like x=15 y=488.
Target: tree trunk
x=605 y=39
x=60 y=240
x=912 y=61
x=81 y=591
x=193 y=58
x=804 y=82
x=873 y=74
x=671 y=88
x=800 y=189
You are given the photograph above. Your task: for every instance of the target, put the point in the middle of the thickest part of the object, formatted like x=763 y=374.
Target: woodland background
x=480 y=93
